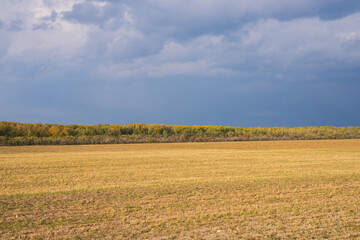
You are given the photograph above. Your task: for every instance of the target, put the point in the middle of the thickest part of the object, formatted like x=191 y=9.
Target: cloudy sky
x=194 y=62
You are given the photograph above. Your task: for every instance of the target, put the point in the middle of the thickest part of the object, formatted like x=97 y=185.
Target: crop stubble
x=234 y=190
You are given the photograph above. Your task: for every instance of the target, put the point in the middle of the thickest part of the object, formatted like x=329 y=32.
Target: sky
x=259 y=63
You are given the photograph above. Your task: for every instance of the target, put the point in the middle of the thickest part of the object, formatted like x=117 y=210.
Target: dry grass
x=242 y=190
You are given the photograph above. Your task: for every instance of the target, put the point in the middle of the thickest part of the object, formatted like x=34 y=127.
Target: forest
x=15 y=134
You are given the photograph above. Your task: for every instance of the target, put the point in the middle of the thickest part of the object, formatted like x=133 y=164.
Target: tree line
x=14 y=133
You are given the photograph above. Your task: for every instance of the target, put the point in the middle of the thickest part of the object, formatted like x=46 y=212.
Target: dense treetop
x=13 y=133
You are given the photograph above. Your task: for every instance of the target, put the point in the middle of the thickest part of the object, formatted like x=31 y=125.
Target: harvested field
x=232 y=190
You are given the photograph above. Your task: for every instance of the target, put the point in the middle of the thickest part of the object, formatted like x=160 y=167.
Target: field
x=233 y=190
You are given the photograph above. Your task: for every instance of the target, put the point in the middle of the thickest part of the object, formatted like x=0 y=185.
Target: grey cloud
x=42 y=26
x=324 y=9
x=86 y=13
x=15 y=25
x=298 y=50
x=338 y=9
x=108 y=16
x=227 y=62
x=47 y=22
x=186 y=19
x=52 y=17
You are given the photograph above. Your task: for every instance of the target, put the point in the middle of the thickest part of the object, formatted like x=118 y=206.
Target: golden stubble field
x=235 y=190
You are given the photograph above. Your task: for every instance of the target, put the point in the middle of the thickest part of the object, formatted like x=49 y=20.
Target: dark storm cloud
x=184 y=19
x=242 y=63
